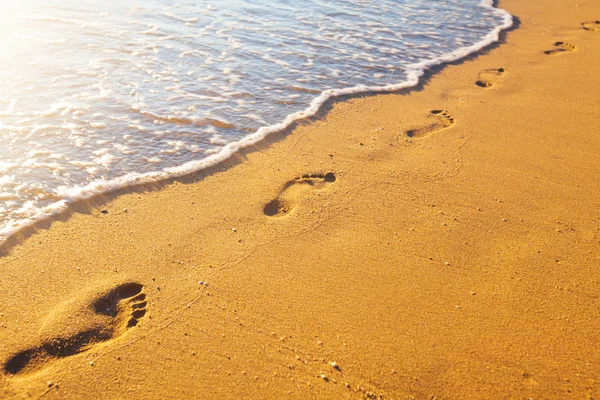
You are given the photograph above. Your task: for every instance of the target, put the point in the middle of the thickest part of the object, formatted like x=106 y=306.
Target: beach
x=439 y=242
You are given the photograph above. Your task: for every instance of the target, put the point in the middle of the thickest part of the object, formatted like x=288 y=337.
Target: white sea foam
x=86 y=133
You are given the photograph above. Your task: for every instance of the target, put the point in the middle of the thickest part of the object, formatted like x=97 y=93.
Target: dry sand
x=407 y=253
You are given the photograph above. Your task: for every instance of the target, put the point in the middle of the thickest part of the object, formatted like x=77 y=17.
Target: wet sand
x=437 y=243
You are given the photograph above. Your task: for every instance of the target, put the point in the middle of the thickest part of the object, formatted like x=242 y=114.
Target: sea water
x=96 y=95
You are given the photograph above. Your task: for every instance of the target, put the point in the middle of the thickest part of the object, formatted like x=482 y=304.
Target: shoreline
x=453 y=252
x=18 y=230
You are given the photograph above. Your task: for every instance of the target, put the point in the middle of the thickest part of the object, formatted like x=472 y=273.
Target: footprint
x=591 y=25
x=488 y=77
x=113 y=312
x=559 y=48
x=443 y=120
x=292 y=191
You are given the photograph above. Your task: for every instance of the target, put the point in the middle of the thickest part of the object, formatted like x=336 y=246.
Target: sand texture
x=438 y=243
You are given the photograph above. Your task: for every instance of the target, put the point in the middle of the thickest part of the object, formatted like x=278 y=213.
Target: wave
x=415 y=72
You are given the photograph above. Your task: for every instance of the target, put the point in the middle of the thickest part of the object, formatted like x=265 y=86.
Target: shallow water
x=100 y=94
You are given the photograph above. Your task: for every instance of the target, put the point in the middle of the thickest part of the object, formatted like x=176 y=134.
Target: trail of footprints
x=125 y=305
x=564 y=47
x=292 y=191
x=121 y=309
x=441 y=120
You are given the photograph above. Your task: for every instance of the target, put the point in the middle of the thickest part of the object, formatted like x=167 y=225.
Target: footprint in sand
x=489 y=77
x=441 y=120
x=591 y=25
x=292 y=192
x=108 y=316
x=559 y=48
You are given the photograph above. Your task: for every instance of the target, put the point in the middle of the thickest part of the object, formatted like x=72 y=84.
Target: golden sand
x=437 y=243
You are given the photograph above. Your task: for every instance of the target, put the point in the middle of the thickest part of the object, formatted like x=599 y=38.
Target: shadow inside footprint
x=276 y=207
x=285 y=201
x=56 y=348
x=443 y=120
x=487 y=77
x=559 y=48
x=591 y=25
x=123 y=306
